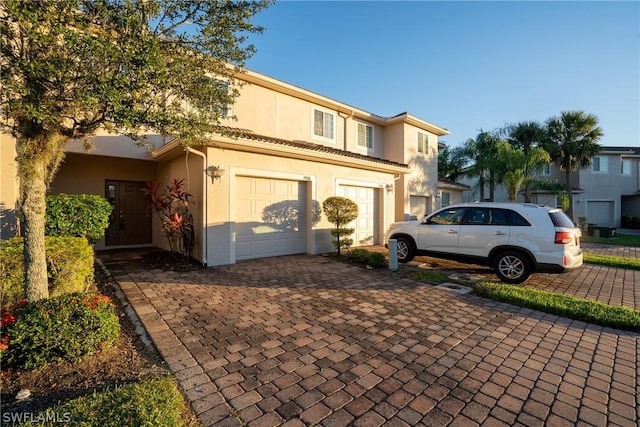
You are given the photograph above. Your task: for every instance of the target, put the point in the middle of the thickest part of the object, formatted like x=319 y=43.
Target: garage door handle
x=452 y=232
x=500 y=233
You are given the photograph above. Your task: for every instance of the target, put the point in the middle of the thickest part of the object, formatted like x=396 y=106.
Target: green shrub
x=80 y=215
x=68 y=327
x=340 y=211
x=363 y=256
x=69 y=267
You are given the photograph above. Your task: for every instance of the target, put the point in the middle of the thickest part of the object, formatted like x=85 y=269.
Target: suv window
x=515 y=219
x=493 y=216
x=477 y=216
x=447 y=216
x=560 y=219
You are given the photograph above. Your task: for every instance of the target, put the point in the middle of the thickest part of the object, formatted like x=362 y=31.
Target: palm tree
x=518 y=165
x=572 y=140
x=451 y=163
x=483 y=152
x=528 y=137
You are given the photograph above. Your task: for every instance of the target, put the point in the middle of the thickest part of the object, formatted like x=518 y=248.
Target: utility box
x=604 y=232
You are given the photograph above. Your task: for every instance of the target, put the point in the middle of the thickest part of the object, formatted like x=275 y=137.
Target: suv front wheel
x=406 y=252
x=512 y=267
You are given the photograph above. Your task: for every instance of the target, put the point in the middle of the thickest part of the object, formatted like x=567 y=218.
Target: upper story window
x=599 y=164
x=546 y=169
x=225 y=109
x=625 y=168
x=423 y=143
x=364 y=135
x=323 y=124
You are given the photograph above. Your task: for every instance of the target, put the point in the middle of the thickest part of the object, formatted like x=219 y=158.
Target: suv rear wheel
x=406 y=252
x=512 y=267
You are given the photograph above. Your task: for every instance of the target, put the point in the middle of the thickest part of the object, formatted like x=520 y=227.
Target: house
x=603 y=193
x=258 y=189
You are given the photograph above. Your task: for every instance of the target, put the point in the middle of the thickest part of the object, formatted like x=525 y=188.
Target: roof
x=245 y=140
x=634 y=151
x=248 y=134
x=444 y=183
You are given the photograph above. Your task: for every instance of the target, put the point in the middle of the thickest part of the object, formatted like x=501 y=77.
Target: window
x=323 y=124
x=365 y=135
x=599 y=164
x=219 y=98
x=546 y=169
x=223 y=85
x=446 y=199
x=625 y=168
x=423 y=143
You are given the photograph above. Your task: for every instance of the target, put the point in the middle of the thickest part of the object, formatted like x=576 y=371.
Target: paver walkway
x=303 y=340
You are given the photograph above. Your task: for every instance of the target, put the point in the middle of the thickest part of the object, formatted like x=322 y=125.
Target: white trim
x=234 y=172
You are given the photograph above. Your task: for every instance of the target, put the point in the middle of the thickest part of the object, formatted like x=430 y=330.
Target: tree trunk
x=569 y=187
x=38 y=159
x=33 y=174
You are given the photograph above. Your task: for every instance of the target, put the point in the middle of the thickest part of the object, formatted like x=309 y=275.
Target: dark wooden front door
x=130 y=221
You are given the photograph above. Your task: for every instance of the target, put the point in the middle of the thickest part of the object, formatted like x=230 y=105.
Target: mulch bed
x=167 y=261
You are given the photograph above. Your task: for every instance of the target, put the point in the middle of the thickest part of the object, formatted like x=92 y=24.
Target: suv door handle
x=452 y=232
x=500 y=233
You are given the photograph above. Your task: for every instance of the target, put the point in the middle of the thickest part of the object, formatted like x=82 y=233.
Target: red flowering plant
x=171 y=205
x=68 y=327
x=7 y=319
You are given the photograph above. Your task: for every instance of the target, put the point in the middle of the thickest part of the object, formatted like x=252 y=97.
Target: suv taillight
x=564 y=237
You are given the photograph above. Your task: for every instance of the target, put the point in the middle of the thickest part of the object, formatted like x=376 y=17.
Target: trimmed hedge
x=80 y=215
x=69 y=266
x=365 y=257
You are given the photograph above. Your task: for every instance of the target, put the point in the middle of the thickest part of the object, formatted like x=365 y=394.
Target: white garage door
x=364 y=225
x=270 y=217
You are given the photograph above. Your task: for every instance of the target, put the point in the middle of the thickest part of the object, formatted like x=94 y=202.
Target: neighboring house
x=258 y=189
x=603 y=193
x=450 y=192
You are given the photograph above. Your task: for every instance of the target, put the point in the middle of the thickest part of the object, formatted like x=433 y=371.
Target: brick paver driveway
x=303 y=340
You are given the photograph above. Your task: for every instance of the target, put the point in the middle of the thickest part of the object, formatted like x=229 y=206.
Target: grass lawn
x=155 y=402
x=619 y=240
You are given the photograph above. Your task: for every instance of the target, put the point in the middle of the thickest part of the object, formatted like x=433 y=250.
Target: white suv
x=515 y=239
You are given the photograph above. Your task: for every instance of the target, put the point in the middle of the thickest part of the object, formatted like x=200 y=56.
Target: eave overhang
x=251 y=143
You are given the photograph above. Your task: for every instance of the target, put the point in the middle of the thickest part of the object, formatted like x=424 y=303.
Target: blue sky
x=464 y=66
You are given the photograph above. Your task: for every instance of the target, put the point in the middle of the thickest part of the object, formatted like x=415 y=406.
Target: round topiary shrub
x=68 y=327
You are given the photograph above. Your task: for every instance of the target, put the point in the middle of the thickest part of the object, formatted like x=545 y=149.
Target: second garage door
x=364 y=225
x=270 y=217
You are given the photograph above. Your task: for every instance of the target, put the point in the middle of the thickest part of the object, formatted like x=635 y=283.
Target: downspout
x=345 y=117
x=205 y=202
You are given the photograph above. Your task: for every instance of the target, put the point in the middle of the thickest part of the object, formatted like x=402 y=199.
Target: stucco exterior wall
x=323 y=181
x=9 y=186
x=284 y=116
